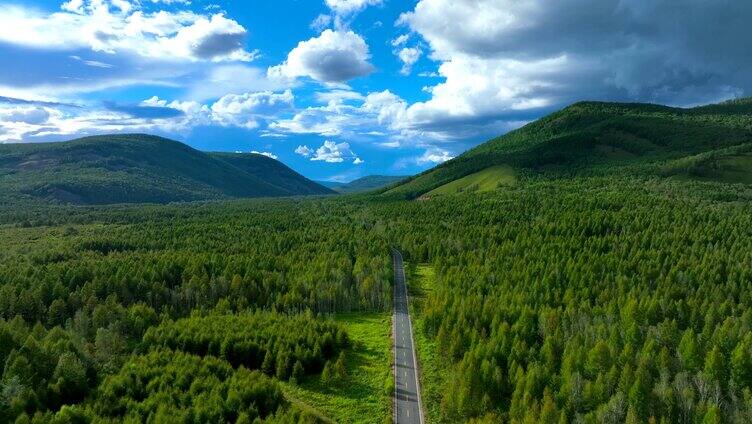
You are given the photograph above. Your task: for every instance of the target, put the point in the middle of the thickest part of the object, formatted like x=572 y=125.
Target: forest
x=203 y=294
x=585 y=299
x=590 y=300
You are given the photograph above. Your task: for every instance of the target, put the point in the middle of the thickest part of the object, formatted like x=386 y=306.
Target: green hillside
x=272 y=170
x=595 y=137
x=488 y=179
x=370 y=182
x=139 y=168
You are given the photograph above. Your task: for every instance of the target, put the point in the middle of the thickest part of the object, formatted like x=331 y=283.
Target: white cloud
x=330 y=152
x=29 y=122
x=376 y=113
x=244 y=110
x=349 y=7
x=332 y=57
x=321 y=22
x=434 y=156
x=401 y=40
x=119 y=26
x=408 y=56
x=267 y=154
x=304 y=151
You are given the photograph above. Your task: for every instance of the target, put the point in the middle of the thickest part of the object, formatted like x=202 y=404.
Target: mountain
x=134 y=168
x=331 y=184
x=708 y=143
x=367 y=183
x=272 y=170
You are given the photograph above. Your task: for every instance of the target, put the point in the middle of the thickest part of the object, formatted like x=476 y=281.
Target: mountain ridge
x=363 y=184
x=595 y=136
x=140 y=168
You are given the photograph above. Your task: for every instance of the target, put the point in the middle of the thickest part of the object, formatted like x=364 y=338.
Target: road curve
x=407 y=407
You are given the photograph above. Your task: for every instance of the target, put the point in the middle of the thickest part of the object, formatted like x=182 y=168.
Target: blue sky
x=339 y=89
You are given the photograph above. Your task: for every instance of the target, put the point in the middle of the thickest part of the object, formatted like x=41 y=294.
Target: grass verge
x=433 y=372
x=361 y=396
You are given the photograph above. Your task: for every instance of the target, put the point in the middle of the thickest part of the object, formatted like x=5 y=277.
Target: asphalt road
x=407 y=408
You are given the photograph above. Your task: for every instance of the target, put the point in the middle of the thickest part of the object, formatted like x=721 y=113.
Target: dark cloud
x=336 y=65
x=218 y=45
x=15 y=101
x=145 y=112
x=504 y=59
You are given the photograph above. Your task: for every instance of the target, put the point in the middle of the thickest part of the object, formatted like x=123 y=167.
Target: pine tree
x=340 y=371
x=297 y=372
x=715 y=366
x=326 y=374
x=741 y=365
x=267 y=367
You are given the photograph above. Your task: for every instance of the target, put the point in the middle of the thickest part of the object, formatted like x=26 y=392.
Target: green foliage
x=268 y=341
x=179 y=387
x=624 y=298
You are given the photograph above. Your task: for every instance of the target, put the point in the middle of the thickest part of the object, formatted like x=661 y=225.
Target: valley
x=592 y=266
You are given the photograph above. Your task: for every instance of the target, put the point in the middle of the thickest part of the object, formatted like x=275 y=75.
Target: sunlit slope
x=599 y=137
x=139 y=168
x=488 y=179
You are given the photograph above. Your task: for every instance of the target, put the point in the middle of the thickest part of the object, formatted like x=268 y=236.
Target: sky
x=339 y=89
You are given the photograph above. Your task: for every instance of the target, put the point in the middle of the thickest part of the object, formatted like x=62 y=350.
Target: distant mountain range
x=711 y=143
x=370 y=182
x=141 y=168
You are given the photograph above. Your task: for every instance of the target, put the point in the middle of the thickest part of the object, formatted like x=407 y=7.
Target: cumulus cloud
x=337 y=118
x=244 y=110
x=332 y=57
x=120 y=26
x=31 y=120
x=330 y=152
x=434 y=156
x=507 y=61
x=304 y=151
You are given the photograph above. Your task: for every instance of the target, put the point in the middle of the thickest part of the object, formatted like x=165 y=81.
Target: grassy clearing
x=488 y=179
x=360 y=397
x=732 y=169
x=433 y=372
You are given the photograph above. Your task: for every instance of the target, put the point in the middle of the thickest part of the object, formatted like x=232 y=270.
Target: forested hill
x=370 y=182
x=136 y=168
x=709 y=142
x=273 y=171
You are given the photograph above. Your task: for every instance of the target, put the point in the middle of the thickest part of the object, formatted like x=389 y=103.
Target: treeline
x=590 y=300
x=282 y=346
